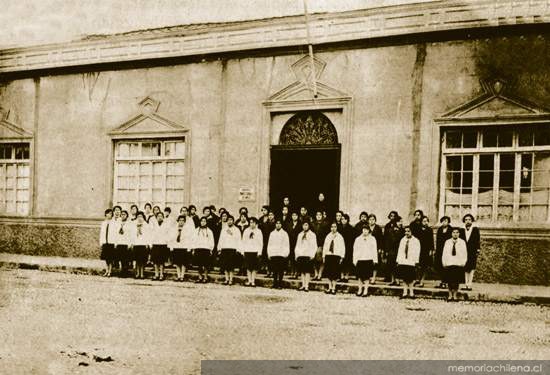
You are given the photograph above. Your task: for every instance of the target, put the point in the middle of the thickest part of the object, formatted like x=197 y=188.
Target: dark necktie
x=304 y=236
x=331 y=247
x=251 y=235
x=454 y=248
x=107 y=234
x=121 y=231
x=179 y=235
x=407 y=249
x=139 y=229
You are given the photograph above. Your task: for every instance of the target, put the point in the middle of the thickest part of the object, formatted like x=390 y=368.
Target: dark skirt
x=140 y=254
x=406 y=273
x=107 y=252
x=202 y=257
x=181 y=257
x=122 y=253
x=251 y=261
x=453 y=275
x=159 y=254
x=304 y=265
x=471 y=262
x=364 y=269
x=277 y=264
x=228 y=259
x=437 y=262
x=332 y=267
x=425 y=260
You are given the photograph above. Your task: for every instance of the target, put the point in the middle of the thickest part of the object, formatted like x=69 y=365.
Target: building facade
x=436 y=106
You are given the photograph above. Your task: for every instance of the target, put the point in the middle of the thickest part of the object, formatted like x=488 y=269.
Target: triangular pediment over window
x=8 y=127
x=147 y=123
x=495 y=106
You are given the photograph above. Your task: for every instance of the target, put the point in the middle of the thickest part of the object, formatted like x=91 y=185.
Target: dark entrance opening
x=301 y=173
x=305 y=163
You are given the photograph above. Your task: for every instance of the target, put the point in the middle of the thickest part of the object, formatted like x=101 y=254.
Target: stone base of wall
x=50 y=240
x=514 y=261
x=509 y=261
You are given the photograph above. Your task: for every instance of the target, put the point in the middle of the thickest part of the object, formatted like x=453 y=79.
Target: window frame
x=479 y=150
x=162 y=139
x=31 y=164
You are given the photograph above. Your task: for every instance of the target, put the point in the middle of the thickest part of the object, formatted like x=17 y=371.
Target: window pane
x=158 y=169
x=505 y=213
x=507 y=164
x=158 y=196
x=134 y=150
x=467 y=162
x=542 y=135
x=151 y=149
x=23 y=170
x=505 y=138
x=486 y=172
x=169 y=148
x=145 y=168
x=524 y=214
x=490 y=137
x=123 y=149
x=10 y=183
x=525 y=136
x=180 y=149
x=6 y=151
x=526 y=172
x=484 y=213
x=469 y=139
x=453 y=138
x=11 y=170
x=144 y=182
x=539 y=213
x=22 y=183
x=22 y=195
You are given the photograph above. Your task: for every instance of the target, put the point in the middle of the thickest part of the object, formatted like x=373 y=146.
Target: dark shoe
x=365 y=295
x=198 y=281
x=412 y=297
x=161 y=278
x=359 y=292
x=420 y=285
x=403 y=297
x=301 y=288
x=333 y=292
x=306 y=290
x=327 y=291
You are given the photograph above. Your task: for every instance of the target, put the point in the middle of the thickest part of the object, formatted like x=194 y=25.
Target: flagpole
x=310 y=49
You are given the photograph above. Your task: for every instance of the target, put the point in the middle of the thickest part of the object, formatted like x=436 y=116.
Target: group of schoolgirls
x=454 y=257
x=290 y=242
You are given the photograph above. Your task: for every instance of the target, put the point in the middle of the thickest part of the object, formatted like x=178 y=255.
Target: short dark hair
x=108 y=211
x=265 y=207
x=468 y=215
x=140 y=213
x=364 y=213
x=393 y=212
x=117 y=206
x=160 y=213
x=443 y=218
x=206 y=208
x=181 y=217
x=253 y=219
x=419 y=212
x=192 y=206
x=124 y=212
x=148 y=204
x=455 y=228
x=372 y=215
x=167 y=209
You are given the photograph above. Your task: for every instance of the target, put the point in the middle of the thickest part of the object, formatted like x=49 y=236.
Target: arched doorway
x=306 y=162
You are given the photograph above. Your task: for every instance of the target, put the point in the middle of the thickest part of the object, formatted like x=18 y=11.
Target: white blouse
x=203 y=239
x=278 y=244
x=365 y=248
x=230 y=238
x=413 y=253
x=254 y=244
x=306 y=244
x=461 y=253
x=339 y=245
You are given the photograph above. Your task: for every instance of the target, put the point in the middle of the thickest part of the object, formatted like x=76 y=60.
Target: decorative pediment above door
x=496 y=105
x=147 y=123
x=302 y=89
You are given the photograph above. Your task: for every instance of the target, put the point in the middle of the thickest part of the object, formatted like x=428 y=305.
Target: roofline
x=288 y=31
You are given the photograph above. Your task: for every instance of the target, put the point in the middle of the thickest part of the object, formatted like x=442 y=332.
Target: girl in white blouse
x=334 y=250
x=229 y=242
x=251 y=247
x=142 y=243
x=306 y=247
x=278 y=249
x=365 y=257
x=203 y=244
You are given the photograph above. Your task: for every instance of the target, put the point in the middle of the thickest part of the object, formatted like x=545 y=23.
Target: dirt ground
x=66 y=324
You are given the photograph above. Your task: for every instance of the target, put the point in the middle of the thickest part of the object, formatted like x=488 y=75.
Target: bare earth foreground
x=57 y=323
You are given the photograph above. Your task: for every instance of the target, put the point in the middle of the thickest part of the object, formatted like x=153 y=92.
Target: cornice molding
x=415 y=18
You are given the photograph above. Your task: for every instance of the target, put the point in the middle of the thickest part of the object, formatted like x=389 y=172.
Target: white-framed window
x=149 y=170
x=15 y=175
x=501 y=174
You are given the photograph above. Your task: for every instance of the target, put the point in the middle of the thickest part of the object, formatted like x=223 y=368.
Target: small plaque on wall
x=246 y=194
